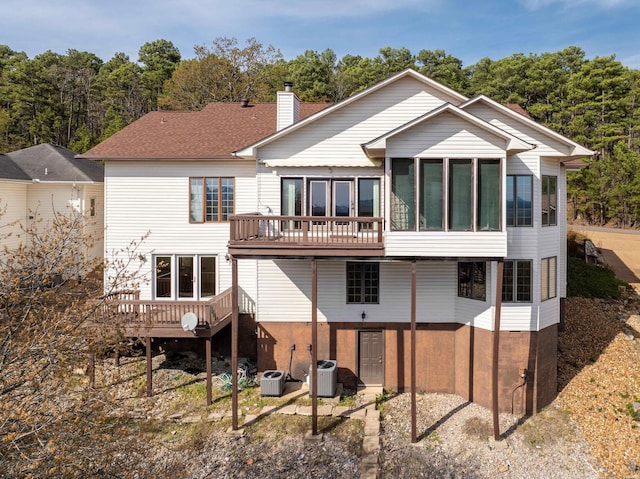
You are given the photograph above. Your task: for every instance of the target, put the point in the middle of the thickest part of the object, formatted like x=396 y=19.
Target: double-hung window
x=472 y=280
x=548 y=278
x=211 y=199
x=516 y=281
x=549 y=200
x=363 y=283
x=519 y=200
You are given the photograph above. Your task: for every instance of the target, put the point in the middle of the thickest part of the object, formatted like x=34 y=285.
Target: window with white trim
x=549 y=200
x=548 y=278
x=363 y=283
x=516 y=281
x=453 y=194
x=184 y=276
x=519 y=200
x=472 y=280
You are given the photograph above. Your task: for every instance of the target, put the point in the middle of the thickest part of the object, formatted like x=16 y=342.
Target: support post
x=209 y=381
x=149 y=373
x=234 y=344
x=496 y=347
x=414 y=436
x=314 y=348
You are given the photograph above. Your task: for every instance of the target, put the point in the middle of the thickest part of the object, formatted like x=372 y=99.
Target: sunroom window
x=468 y=190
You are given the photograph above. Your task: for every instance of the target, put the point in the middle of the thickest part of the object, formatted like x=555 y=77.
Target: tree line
x=77 y=100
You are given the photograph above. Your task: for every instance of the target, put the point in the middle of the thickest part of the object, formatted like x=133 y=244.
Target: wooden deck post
x=413 y=354
x=149 y=373
x=209 y=381
x=234 y=344
x=496 y=347
x=314 y=348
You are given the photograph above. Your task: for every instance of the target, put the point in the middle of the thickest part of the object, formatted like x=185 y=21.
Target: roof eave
x=578 y=150
x=230 y=156
x=513 y=143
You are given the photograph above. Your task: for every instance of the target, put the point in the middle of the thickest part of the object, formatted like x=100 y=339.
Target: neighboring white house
x=43 y=180
x=406 y=176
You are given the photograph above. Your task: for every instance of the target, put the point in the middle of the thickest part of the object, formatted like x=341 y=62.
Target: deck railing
x=140 y=314
x=315 y=231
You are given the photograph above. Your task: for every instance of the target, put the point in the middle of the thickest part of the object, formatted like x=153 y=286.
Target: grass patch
x=547 y=428
x=634 y=415
x=347 y=400
x=196 y=391
x=591 y=281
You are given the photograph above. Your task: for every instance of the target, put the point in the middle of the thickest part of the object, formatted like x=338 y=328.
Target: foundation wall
x=450 y=358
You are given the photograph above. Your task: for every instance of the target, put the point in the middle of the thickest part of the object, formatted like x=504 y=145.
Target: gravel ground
x=599 y=371
x=455 y=443
x=586 y=433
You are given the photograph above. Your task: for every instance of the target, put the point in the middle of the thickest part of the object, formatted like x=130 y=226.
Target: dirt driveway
x=620 y=249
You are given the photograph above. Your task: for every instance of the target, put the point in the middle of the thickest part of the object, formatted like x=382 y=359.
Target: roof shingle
x=214 y=132
x=47 y=162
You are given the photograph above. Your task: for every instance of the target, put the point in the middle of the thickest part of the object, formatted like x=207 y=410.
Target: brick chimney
x=288 y=107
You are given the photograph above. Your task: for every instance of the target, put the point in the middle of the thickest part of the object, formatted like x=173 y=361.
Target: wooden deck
x=162 y=319
x=260 y=235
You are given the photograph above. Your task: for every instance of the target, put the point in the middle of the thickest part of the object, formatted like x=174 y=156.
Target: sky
x=467 y=29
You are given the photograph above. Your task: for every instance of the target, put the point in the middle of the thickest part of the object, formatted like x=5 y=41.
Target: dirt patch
x=620 y=250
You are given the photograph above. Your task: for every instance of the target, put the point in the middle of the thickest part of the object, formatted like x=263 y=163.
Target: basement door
x=371 y=358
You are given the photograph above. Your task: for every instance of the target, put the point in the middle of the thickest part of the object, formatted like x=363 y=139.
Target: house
x=41 y=181
x=390 y=232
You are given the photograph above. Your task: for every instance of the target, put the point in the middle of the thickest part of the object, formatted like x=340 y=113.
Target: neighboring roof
x=10 y=171
x=513 y=143
x=518 y=109
x=51 y=163
x=574 y=165
x=249 y=149
x=214 y=132
x=577 y=150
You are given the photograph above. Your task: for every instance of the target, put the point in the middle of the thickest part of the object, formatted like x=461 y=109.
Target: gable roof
x=249 y=149
x=577 y=150
x=50 y=163
x=513 y=143
x=211 y=133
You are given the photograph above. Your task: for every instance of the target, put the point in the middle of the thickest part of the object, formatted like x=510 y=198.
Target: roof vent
x=244 y=102
x=288 y=86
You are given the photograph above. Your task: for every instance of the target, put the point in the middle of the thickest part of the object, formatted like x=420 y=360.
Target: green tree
x=313 y=75
x=443 y=68
x=160 y=59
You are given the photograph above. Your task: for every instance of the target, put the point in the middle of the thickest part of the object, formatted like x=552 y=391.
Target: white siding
x=338 y=136
x=549 y=313
x=545 y=145
x=13 y=204
x=285 y=292
x=446 y=244
x=288 y=109
x=446 y=135
x=95 y=224
x=519 y=317
x=154 y=197
x=45 y=200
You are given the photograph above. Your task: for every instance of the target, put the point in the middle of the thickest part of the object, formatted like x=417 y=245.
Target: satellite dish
x=189 y=321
